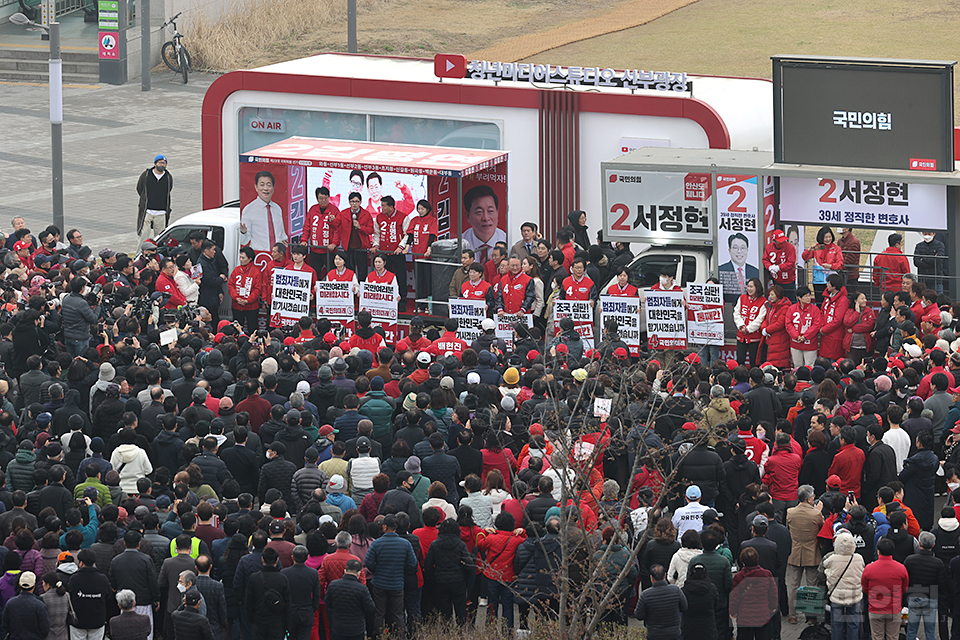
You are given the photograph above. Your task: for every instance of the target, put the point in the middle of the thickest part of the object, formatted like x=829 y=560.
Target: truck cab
x=222 y=226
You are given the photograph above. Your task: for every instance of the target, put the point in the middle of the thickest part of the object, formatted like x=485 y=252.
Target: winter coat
x=764 y=404
x=928 y=575
x=826 y=260
x=525 y=584
x=948 y=533
x=704 y=468
x=777 y=340
x=214 y=471
x=77 y=317
x=783 y=255
x=719 y=411
x=832 y=332
x=805 y=522
x=843 y=580
x=25 y=617
x=863 y=323
x=379 y=408
x=919 y=472
x=781 y=474
x=305 y=481
x=748 y=315
x=753 y=598
x=277 y=474
x=132 y=463
x=885 y=581
x=448 y=561
x=879 y=468
x=388 y=559
x=703 y=602
x=848 y=465
x=349 y=604
x=804 y=321
x=500 y=549
x=20 y=471
x=656 y=552
x=661 y=607
x=930 y=258
x=677 y=572
x=889 y=268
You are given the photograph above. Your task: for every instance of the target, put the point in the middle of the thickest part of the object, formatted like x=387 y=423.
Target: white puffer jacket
x=843 y=580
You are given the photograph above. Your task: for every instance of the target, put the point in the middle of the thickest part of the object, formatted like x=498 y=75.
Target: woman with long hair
x=361 y=537
x=748 y=315
x=494 y=488
x=531 y=267
x=659 y=549
x=188 y=285
x=859 y=322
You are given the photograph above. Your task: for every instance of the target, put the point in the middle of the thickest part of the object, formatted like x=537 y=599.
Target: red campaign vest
x=577 y=290
x=421 y=228
x=749 y=309
x=346 y=276
x=475 y=292
x=448 y=342
x=629 y=291
x=319 y=229
x=780 y=255
x=514 y=291
x=386 y=278
x=246 y=277
x=391 y=230
x=166 y=284
x=372 y=344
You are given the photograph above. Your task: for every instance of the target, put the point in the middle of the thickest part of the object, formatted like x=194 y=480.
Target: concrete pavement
x=110 y=135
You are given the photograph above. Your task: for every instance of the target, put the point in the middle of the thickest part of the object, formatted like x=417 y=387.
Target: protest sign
x=468 y=314
x=335 y=301
x=291 y=297
x=581 y=313
x=505 y=325
x=666 y=320
x=381 y=301
x=626 y=311
x=705 y=313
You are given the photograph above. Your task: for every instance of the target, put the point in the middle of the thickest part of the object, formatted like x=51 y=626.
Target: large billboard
x=656 y=206
x=849 y=112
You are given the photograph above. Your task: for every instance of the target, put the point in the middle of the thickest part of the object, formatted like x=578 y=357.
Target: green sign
x=109 y=15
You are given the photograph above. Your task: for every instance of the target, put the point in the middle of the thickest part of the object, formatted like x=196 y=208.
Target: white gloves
x=774 y=269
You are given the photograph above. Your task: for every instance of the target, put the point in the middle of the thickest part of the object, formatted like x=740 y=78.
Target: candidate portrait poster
x=272 y=206
x=737 y=239
x=405 y=188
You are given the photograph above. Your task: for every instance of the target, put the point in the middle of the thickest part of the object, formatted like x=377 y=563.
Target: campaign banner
x=657 y=206
x=506 y=322
x=469 y=314
x=381 y=301
x=626 y=311
x=666 y=320
x=863 y=203
x=581 y=313
x=705 y=313
x=335 y=300
x=737 y=239
x=291 y=297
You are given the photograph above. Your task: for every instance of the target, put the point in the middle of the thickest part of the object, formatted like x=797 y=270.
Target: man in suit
x=129 y=624
x=735 y=273
x=241 y=462
x=528 y=245
x=469 y=457
x=170 y=578
x=305 y=593
x=136 y=572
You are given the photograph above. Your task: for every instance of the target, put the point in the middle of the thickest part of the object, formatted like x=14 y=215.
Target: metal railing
x=868 y=274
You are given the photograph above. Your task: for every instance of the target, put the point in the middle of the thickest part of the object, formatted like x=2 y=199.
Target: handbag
x=71 y=616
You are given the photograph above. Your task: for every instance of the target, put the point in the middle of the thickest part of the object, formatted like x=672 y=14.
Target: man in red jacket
x=884 y=582
x=166 y=284
x=321 y=230
x=780 y=259
x=890 y=266
x=781 y=475
x=835 y=305
x=517 y=293
x=245 y=286
x=448 y=342
x=356 y=231
x=848 y=463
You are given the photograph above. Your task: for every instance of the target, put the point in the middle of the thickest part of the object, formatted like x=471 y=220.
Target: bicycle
x=174 y=54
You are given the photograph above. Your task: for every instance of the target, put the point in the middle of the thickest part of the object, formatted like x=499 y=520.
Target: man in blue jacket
x=388 y=558
x=74 y=521
x=349 y=603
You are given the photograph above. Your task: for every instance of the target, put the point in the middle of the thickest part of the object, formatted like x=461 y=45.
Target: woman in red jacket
x=803 y=326
x=827 y=258
x=748 y=315
x=245 y=287
x=833 y=309
x=500 y=546
x=774 y=328
x=859 y=322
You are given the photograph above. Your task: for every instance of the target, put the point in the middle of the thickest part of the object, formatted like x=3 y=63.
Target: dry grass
x=433 y=629
x=253 y=27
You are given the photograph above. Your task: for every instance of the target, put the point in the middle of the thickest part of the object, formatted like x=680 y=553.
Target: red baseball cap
x=692 y=358
x=834 y=481
x=329 y=338
x=288 y=341
x=533 y=355
x=689 y=426
x=621 y=353
x=953 y=390
x=731 y=364
x=22 y=244
x=562 y=348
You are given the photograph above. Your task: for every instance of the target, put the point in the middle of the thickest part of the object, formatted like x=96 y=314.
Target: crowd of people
x=229 y=481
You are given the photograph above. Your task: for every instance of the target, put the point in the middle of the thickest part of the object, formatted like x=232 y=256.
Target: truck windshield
x=645 y=272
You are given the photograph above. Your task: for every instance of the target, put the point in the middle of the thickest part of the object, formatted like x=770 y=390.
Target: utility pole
x=143 y=8
x=56 y=123
x=352 y=26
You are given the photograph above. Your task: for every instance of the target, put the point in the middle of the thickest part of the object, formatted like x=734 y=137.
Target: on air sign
x=268 y=126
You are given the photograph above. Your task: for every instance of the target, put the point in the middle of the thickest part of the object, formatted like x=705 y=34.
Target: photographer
x=77 y=318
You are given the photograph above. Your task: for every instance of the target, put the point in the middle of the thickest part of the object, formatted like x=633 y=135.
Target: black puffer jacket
x=525 y=584
x=925 y=571
x=214 y=471
x=655 y=552
x=703 y=600
x=739 y=471
x=930 y=258
x=704 y=468
x=214 y=373
x=277 y=474
x=448 y=561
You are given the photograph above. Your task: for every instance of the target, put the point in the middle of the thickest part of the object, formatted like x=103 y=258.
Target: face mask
x=953 y=485
x=181 y=587
x=664 y=281
x=927 y=238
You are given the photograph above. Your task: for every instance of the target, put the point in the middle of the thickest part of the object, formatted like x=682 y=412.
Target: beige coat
x=804 y=522
x=719 y=411
x=843 y=573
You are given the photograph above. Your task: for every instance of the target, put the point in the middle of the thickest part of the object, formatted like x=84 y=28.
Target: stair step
x=44 y=54
x=42 y=66
x=37 y=76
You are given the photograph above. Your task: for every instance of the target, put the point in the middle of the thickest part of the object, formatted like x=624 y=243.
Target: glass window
x=645 y=272
x=260 y=126
x=432 y=131
x=689 y=270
